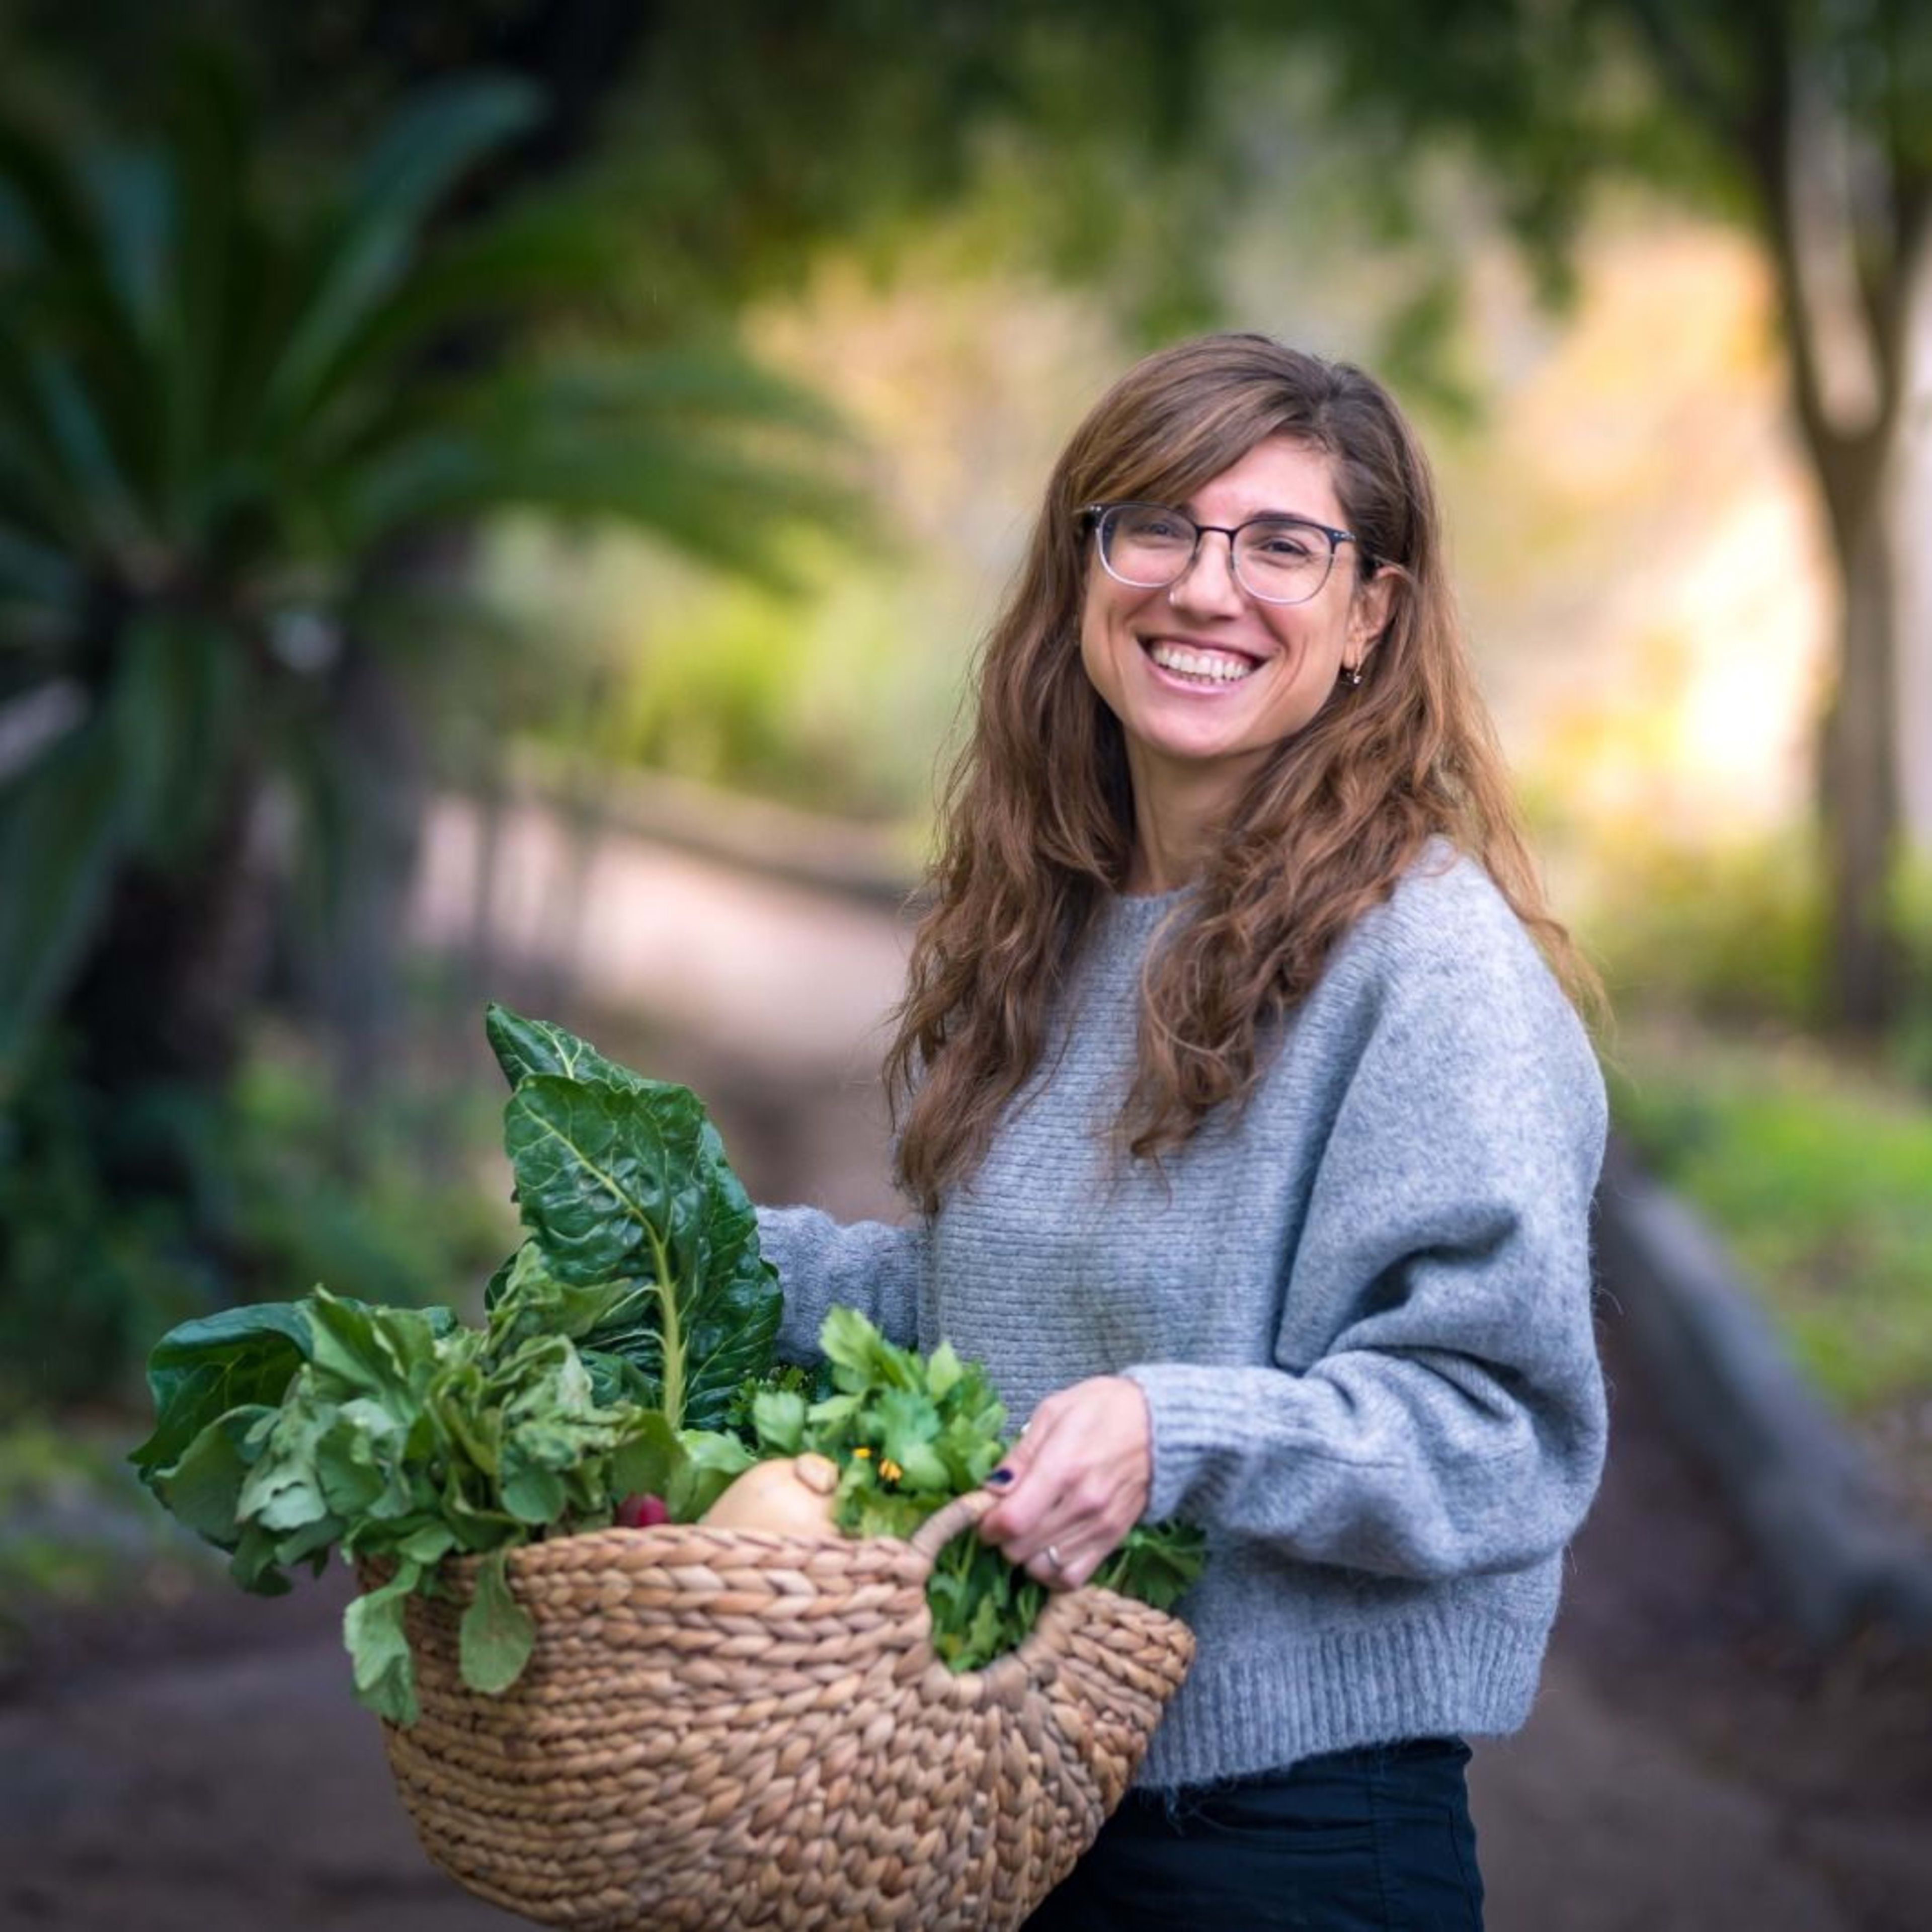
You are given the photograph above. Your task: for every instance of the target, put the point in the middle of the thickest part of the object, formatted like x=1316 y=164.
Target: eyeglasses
x=1277 y=559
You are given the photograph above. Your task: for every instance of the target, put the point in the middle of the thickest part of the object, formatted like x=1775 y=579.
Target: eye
x=1283 y=543
x=1154 y=524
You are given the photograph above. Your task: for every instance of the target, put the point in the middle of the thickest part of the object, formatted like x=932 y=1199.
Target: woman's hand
x=1075 y=1483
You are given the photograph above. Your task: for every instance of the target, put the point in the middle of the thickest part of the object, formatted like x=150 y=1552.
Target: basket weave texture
x=732 y=1728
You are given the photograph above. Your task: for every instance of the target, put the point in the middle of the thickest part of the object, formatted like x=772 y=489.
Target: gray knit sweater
x=1360 y=1312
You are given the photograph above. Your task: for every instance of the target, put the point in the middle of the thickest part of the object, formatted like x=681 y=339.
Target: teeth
x=1211 y=665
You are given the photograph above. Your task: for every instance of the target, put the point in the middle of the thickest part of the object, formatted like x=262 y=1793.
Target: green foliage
x=275 y=1181
x=623 y=1178
x=636 y=1308
x=222 y=407
x=1820 y=1178
x=399 y=1436
x=1735 y=932
x=1909 y=916
x=910 y=1433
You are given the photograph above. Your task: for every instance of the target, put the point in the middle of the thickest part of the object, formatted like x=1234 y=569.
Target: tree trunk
x=1912 y=537
x=1859 y=781
x=1856 y=463
x=160 y=1003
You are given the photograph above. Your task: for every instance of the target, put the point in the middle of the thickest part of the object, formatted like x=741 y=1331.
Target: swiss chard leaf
x=525 y=1046
x=630 y=1183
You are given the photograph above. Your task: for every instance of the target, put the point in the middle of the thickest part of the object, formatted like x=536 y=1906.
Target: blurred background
x=500 y=500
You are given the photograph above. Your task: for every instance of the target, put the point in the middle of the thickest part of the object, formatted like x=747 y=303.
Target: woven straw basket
x=728 y=1728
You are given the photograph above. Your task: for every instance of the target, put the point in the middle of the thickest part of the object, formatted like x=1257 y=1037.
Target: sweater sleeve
x=1444 y=1414
x=869 y=1265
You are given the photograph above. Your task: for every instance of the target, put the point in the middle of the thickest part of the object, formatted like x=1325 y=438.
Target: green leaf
x=427 y=1545
x=201 y=1368
x=353 y=1456
x=600 y=1184
x=204 y=1487
x=778 y=1415
x=647 y=1461
x=863 y=1357
x=631 y=1182
x=529 y=1300
x=526 y=1046
x=1157 y=1563
x=909 y=1424
x=374 y=1631
x=497 y=1634
x=283 y=1490
x=374 y=1350
x=829 y=1417
x=441 y=133
x=533 y=1495
x=710 y=1461
x=253 y=1564
x=943 y=1372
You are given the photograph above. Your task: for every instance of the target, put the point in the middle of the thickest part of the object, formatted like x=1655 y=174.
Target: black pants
x=1371 y=1840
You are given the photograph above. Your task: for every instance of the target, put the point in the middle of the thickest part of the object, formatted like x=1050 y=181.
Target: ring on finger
x=1054 y=1556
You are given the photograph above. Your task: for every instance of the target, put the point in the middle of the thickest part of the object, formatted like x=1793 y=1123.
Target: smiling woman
x=1253 y=1138
x=1209 y=655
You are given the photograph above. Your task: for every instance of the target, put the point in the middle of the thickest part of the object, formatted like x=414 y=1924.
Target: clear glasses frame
x=1103 y=517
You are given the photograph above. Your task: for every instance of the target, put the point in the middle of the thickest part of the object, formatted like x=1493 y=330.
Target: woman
x=1253 y=1138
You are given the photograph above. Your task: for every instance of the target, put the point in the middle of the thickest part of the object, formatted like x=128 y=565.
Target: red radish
x=642 y=1513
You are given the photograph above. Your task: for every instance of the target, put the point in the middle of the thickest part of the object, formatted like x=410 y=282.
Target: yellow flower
x=862 y=1450
x=889 y=1470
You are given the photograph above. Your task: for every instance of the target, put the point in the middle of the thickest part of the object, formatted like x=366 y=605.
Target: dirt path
x=206 y=1770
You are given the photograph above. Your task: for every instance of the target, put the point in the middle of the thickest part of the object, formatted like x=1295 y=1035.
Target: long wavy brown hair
x=1037 y=817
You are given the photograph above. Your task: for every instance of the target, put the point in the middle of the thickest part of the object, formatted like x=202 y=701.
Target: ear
x=1369 y=610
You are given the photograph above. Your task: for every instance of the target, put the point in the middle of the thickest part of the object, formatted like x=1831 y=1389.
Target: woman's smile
x=1200 y=667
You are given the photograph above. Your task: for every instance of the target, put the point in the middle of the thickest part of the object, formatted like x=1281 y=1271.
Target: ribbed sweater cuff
x=1187 y=1407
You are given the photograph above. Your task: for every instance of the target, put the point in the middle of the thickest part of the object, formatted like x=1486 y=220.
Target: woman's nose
x=1208 y=582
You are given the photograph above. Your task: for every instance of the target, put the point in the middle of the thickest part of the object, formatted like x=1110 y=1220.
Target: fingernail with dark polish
x=999 y=1479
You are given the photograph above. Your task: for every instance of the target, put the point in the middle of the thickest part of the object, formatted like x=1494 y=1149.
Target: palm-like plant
x=220 y=416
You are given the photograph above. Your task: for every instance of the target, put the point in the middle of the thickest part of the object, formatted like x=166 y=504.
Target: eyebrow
x=1188 y=510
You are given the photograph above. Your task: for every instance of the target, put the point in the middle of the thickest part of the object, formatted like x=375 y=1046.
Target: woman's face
x=1206 y=679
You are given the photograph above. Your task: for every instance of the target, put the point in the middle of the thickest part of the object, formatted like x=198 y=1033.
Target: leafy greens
x=910 y=1433
x=614 y=1341
x=626 y=1349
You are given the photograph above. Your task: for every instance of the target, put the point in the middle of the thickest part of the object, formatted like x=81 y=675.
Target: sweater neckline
x=1140 y=913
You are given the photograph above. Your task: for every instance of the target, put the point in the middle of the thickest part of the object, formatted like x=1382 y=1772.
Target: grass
x=1818 y=1175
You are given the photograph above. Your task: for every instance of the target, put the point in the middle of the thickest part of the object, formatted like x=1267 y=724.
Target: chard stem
x=672 y=1331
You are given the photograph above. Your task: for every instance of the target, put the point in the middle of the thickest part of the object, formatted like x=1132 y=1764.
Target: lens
x=1142 y=543
x=1283 y=561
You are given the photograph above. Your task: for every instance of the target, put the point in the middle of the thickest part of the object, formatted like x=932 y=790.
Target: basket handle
x=943 y=1525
